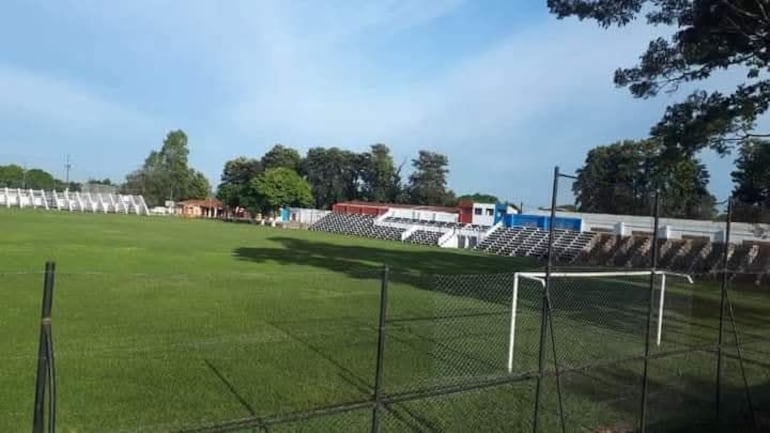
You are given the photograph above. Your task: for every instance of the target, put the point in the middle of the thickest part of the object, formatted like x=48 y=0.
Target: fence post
x=544 y=310
x=725 y=260
x=45 y=367
x=650 y=309
x=378 y=375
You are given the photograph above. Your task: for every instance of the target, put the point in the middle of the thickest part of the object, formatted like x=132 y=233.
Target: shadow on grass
x=622 y=307
x=352 y=260
x=678 y=401
x=429 y=269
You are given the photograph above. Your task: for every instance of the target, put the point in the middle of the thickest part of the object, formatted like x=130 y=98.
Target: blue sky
x=502 y=88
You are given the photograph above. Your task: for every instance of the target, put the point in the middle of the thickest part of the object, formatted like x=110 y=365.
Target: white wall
x=306 y=216
x=670 y=228
x=421 y=214
x=487 y=217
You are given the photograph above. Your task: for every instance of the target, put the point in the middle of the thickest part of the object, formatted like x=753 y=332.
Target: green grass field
x=167 y=324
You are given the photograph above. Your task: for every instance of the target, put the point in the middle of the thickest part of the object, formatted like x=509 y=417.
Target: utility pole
x=67 y=167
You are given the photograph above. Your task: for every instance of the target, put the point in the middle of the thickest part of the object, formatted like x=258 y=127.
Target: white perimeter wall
x=670 y=228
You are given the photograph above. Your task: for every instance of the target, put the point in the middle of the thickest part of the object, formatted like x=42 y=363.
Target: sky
x=504 y=89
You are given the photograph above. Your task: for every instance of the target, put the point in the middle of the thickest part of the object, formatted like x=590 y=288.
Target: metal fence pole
x=725 y=260
x=378 y=375
x=544 y=309
x=650 y=309
x=45 y=371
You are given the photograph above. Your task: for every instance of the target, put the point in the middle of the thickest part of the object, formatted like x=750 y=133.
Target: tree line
x=324 y=176
x=623 y=177
x=16 y=176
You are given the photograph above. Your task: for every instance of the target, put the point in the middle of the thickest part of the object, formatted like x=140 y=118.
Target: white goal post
x=539 y=277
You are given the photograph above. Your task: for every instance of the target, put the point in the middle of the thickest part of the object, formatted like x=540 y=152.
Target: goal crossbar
x=540 y=278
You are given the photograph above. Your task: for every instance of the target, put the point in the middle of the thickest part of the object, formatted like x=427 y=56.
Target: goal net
x=595 y=313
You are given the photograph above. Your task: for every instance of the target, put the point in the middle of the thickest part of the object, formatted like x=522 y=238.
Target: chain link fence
x=132 y=358
x=396 y=351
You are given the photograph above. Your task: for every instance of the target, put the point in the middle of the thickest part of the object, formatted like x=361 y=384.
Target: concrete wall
x=422 y=214
x=670 y=228
x=304 y=215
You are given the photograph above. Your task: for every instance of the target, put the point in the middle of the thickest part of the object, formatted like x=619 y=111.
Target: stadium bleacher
x=691 y=255
x=356 y=225
x=424 y=237
x=533 y=242
x=73 y=201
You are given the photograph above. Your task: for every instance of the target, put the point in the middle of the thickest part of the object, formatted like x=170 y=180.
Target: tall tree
x=236 y=176
x=380 y=180
x=621 y=179
x=428 y=183
x=332 y=174
x=711 y=35
x=281 y=156
x=199 y=186
x=752 y=182
x=173 y=169
x=277 y=187
x=165 y=174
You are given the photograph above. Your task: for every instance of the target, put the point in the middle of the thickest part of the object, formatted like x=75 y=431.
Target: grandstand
x=423 y=225
x=617 y=241
x=423 y=237
x=356 y=225
x=73 y=201
x=694 y=256
x=533 y=242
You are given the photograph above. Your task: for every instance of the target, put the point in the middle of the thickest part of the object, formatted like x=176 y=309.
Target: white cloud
x=510 y=112
x=306 y=75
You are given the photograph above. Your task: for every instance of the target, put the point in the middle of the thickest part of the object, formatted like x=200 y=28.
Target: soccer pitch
x=168 y=324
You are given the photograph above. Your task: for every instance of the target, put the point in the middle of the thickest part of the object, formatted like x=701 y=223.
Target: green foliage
x=278 y=187
x=621 y=179
x=166 y=175
x=752 y=182
x=39 y=179
x=15 y=176
x=106 y=181
x=379 y=176
x=199 y=186
x=333 y=175
x=712 y=35
x=337 y=175
x=479 y=198
x=12 y=176
x=281 y=156
x=235 y=179
x=428 y=183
